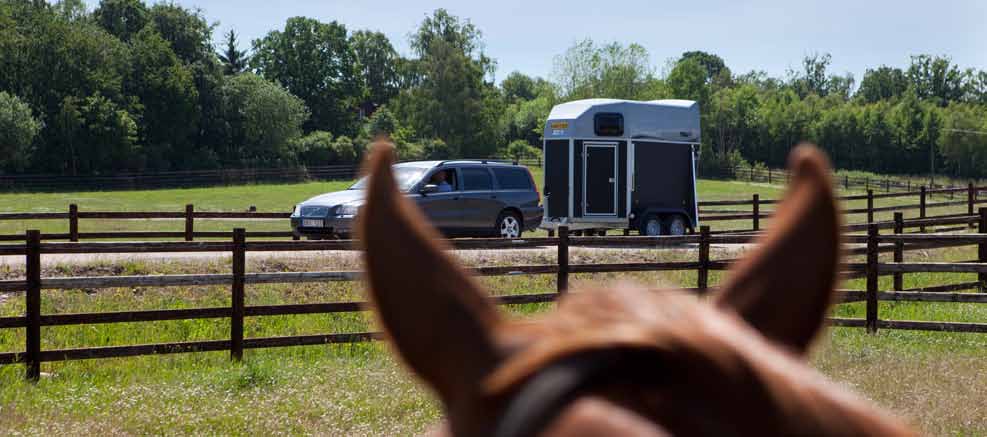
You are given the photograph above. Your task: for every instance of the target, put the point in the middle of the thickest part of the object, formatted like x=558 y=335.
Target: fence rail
x=709 y=212
x=33 y=320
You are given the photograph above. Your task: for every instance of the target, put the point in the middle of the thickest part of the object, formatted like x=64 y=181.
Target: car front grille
x=315 y=211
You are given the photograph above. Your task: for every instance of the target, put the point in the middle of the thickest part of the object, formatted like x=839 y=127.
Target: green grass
x=933 y=379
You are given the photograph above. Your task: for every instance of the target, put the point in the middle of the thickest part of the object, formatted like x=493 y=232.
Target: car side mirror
x=429 y=189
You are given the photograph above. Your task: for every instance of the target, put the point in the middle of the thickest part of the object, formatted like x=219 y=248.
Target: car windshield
x=406 y=177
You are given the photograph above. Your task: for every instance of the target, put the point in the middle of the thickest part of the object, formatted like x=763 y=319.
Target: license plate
x=312 y=223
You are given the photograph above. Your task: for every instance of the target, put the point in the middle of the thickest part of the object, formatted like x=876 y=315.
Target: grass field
x=932 y=379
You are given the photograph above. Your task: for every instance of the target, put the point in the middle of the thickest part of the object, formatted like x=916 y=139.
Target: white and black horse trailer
x=620 y=164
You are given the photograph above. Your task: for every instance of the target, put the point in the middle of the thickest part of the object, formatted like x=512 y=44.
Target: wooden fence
x=754 y=210
x=33 y=248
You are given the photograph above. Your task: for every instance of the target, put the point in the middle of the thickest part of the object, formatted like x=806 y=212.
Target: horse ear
x=435 y=314
x=784 y=289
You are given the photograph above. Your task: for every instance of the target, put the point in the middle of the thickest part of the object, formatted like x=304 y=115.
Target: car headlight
x=347 y=210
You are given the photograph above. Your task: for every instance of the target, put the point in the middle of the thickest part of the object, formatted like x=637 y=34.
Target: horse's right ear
x=438 y=318
x=784 y=288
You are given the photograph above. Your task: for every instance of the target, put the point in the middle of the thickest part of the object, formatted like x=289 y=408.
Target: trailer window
x=609 y=124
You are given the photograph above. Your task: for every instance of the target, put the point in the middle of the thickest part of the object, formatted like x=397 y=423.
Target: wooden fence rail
x=190 y=215
x=33 y=319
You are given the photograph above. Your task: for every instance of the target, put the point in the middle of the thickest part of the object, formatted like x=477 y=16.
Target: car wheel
x=651 y=225
x=675 y=225
x=508 y=225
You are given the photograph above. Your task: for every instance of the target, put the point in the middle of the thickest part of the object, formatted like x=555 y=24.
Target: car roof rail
x=480 y=160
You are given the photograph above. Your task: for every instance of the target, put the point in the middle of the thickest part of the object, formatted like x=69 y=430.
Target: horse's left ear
x=784 y=289
x=439 y=319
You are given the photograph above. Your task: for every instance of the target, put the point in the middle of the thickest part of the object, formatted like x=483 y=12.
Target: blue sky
x=764 y=35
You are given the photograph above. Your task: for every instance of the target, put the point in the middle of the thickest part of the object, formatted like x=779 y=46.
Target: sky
x=773 y=36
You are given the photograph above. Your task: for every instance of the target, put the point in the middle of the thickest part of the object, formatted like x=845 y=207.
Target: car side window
x=512 y=178
x=477 y=179
x=445 y=179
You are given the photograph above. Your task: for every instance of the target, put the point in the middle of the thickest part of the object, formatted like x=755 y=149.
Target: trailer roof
x=668 y=120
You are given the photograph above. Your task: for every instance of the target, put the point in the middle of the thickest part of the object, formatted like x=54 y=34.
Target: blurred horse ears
x=785 y=287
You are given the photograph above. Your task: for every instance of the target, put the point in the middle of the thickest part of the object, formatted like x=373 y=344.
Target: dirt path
x=466 y=255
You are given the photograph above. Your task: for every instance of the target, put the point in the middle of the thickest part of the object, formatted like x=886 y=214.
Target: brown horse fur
x=731 y=365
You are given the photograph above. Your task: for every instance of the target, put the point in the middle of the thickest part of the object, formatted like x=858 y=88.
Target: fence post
x=870 y=206
x=887 y=185
x=752 y=172
x=239 y=271
x=32 y=306
x=899 y=249
x=921 y=208
x=908 y=185
x=982 y=250
x=562 y=283
x=970 y=199
x=702 y=280
x=756 y=212
x=867 y=183
x=627 y=232
x=846 y=182
x=74 y=223
x=189 y=222
x=872 y=275
x=769 y=175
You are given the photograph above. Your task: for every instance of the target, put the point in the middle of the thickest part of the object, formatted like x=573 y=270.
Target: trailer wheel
x=651 y=225
x=675 y=225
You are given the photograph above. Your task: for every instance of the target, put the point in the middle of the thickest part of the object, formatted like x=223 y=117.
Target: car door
x=444 y=210
x=481 y=205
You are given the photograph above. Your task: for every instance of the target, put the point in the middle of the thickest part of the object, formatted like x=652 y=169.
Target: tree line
x=129 y=86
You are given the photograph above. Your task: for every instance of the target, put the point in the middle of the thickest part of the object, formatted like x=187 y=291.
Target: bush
x=520 y=149
x=18 y=128
x=314 y=148
x=720 y=165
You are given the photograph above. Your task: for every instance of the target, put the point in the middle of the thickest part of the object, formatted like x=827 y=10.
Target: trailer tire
x=651 y=225
x=675 y=225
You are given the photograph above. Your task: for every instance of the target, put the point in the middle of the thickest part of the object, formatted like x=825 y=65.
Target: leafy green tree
x=717 y=73
x=518 y=86
x=962 y=141
x=94 y=135
x=882 y=83
x=687 y=80
x=452 y=101
x=186 y=30
x=18 y=129
x=234 y=60
x=608 y=71
x=167 y=97
x=71 y=10
x=314 y=61
x=265 y=119
x=378 y=67
x=122 y=18
x=937 y=79
x=520 y=149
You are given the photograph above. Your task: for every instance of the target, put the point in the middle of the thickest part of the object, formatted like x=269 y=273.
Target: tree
x=882 y=83
x=936 y=79
x=234 y=60
x=187 y=31
x=314 y=61
x=451 y=101
x=717 y=73
x=122 y=18
x=609 y=71
x=517 y=86
x=688 y=81
x=265 y=119
x=93 y=135
x=812 y=79
x=18 y=129
x=378 y=67
x=167 y=96
x=71 y=10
